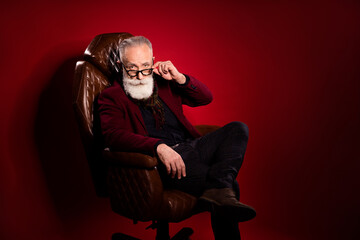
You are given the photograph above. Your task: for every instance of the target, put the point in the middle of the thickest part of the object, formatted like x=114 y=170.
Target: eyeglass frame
x=139 y=71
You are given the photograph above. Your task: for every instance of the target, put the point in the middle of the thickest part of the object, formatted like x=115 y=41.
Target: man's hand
x=172 y=160
x=169 y=72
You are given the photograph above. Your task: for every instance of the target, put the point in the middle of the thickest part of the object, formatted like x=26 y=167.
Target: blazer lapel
x=138 y=114
x=165 y=95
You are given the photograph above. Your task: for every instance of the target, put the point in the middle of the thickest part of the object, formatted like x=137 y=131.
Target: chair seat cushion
x=176 y=206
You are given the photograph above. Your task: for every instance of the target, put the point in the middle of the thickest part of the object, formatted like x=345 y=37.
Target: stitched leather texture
x=101 y=50
x=177 y=206
x=134 y=193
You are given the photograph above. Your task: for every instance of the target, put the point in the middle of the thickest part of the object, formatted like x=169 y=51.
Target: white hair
x=133 y=41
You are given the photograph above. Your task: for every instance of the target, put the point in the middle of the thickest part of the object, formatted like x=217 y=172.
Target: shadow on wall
x=51 y=165
x=59 y=146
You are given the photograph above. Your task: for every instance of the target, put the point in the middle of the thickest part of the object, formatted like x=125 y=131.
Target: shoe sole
x=237 y=213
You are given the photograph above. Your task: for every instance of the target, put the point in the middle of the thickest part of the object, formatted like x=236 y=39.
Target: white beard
x=138 y=89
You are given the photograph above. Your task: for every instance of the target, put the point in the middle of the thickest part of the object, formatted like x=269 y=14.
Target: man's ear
x=153 y=60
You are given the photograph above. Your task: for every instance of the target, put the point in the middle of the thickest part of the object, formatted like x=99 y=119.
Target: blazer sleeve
x=194 y=93
x=117 y=130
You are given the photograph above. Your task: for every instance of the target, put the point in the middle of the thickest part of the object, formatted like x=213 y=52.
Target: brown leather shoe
x=225 y=204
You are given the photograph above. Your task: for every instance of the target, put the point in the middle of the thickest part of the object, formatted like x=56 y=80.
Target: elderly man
x=142 y=112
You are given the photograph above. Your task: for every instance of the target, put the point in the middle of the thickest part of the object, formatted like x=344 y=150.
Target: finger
x=156 y=65
x=156 y=71
x=183 y=169
x=173 y=170
x=161 y=68
x=166 y=73
x=179 y=169
x=168 y=168
x=172 y=69
x=166 y=68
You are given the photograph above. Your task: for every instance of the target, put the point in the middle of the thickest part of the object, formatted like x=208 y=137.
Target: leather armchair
x=130 y=180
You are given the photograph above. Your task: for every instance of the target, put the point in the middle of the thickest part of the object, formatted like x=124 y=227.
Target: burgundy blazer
x=122 y=125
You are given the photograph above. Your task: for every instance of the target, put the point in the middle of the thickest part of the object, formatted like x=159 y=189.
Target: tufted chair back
x=91 y=77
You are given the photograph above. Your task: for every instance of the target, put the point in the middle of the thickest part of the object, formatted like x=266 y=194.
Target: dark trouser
x=212 y=161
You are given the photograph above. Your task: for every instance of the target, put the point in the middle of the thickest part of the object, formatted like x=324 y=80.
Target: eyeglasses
x=135 y=73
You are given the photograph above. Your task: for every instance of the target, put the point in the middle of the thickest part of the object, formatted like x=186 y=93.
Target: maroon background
x=288 y=70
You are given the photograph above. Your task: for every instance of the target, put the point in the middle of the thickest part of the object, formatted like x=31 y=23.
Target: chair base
x=162 y=233
x=121 y=236
x=183 y=234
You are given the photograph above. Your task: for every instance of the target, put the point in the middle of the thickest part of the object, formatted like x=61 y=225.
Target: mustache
x=136 y=82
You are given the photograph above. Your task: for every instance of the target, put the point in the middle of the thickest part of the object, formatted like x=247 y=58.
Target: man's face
x=138 y=58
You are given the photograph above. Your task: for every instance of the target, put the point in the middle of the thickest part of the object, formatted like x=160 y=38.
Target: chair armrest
x=205 y=129
x=130 y=159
